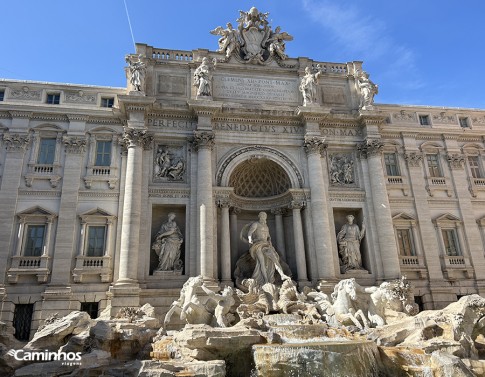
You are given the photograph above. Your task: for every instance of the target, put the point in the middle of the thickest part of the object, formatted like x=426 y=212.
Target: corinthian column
x=136 y=140
x=203 y=143
x=371 y=149
x=314 y=146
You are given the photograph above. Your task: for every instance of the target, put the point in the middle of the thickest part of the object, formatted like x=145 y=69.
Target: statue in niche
x=166 y=167
x=228 y=41
x=348 y=240
x=203 y=79
x=341 y=169
x=277 y=43
x=308 y=85
x=137 y=71
x=367 y=91
x=168 y=242
x=262 y=252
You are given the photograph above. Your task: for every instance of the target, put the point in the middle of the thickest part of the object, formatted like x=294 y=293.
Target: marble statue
x=203 y=79
x=308 y=86
x=263 y=252
x=224 y=303
x=137 y=71
x=167 y=245
x=188 y=306
x=229 y=39
x=277 y=43
x=348 y=240
x=367 y=91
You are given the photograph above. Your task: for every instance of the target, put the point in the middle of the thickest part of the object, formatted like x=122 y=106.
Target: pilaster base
x=121 y=296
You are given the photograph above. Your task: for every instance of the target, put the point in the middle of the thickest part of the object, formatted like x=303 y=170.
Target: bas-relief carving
x=404 y=116
x=80 y=97
x=478 y=120
x=172 y=85
x=25 y=93
x=413 y=159
x=456 y=160
x=15 y=142
x=348 y=240
x=444 y=119
x=253 y=41
x=167 y=245
x=341 y=169
x=169 y=164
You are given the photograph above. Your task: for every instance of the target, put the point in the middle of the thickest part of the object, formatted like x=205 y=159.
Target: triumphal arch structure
x=114 y=197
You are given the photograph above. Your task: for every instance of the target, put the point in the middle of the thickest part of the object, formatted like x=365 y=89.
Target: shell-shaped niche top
x=259 y=177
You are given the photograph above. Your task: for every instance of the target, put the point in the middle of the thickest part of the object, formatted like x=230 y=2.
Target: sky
x=426 y=52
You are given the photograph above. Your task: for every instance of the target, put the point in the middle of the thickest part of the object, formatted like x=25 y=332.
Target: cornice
x=39 y=193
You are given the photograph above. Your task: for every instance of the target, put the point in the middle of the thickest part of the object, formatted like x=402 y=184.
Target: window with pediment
x=434 y=167
x=33 y=245
x=102 y=168
x=474 y=167
x=407 y=239
x=95 y=246
x=454 y=256
x=45 y=156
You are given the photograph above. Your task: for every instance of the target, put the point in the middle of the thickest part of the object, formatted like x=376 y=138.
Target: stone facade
x=85 y=186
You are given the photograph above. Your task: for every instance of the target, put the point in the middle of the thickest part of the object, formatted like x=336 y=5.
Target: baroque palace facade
x=92 y=179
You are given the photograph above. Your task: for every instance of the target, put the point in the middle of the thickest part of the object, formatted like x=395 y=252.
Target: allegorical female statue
x=203 y=78
x=308 y=85
x=167 y=245
x=348 y=240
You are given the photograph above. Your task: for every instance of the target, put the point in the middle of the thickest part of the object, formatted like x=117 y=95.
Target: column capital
x=203 y=140
x=314 y=145
x=294 y=204
x=370 y=147
x=456 y=161
x=278 y=211
x=16 y=142
x=235 y=211
x=133 y=137
x=223 y=203
x=74 y=144
x=413 y=159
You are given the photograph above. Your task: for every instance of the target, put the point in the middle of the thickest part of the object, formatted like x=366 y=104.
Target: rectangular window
x=424 y=120
x=464 y=122
x=22 y=320
x=390 y=159
x=474 y=166
x=451 y=242
x=96 y=240
x=2 y=94
x=53 y=98
x=103 y=153
x=91 y=308
x=34 y=241
x=434 y=168
x=47 y=151
x=406 y=246
x=107 y=102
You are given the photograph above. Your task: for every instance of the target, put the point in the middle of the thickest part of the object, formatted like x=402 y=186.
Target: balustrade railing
x=394 y=180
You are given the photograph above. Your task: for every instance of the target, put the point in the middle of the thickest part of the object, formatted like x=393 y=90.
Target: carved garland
x=456 y=160
x=413 y=159
x=262 y=149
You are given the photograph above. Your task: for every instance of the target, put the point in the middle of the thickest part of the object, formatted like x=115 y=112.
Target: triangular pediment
x=97 y=212
x=403 y=216
x=447 y=217
x=36 y=211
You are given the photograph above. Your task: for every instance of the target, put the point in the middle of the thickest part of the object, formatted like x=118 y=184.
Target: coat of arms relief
x=254 y=40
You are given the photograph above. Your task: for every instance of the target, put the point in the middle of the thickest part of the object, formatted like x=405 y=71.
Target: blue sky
x=426 y=52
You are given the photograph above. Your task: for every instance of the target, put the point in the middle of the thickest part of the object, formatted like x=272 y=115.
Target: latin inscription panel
x=255 y=89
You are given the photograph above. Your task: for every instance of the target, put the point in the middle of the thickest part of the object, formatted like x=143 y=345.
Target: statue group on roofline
x=254 y=40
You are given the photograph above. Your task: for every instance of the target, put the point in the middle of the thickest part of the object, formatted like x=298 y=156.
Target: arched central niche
x=259 y=177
